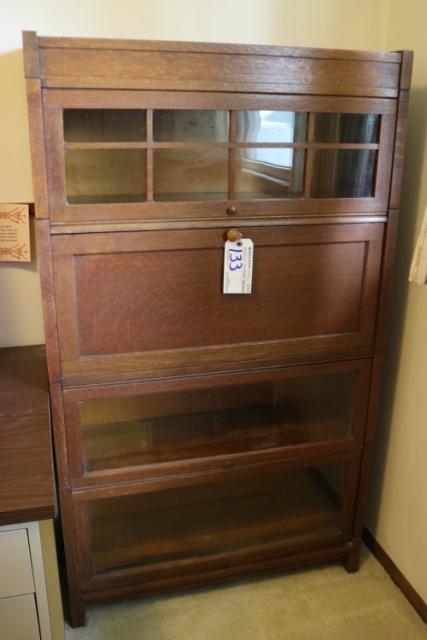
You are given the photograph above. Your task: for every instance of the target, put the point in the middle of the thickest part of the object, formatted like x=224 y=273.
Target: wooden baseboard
x=396 y=575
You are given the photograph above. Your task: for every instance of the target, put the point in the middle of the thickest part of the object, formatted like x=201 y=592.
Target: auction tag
x=238 y=263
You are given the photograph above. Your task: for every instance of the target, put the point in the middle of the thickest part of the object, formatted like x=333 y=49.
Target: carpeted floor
x=323 y=603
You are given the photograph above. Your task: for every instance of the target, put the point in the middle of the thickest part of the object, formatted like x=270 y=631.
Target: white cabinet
x=24 y=610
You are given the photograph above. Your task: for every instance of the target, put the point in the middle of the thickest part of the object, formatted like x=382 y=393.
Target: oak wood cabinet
x=199 y=435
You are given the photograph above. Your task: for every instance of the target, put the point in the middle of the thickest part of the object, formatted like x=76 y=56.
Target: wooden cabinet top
x=121 y=64
x=26 y=487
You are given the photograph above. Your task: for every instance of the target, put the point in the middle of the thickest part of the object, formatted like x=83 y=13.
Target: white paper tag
x=238 y=264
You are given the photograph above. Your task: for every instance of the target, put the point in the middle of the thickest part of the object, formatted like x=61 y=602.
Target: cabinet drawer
x=15 y=564
x=124 y=432
x=18 y=618
x=152 y=301
x=161 y=532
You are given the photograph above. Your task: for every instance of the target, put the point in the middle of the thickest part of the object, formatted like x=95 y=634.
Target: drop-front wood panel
x=162 y=292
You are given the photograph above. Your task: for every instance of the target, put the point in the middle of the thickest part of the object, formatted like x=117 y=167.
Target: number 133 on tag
x=238 y=265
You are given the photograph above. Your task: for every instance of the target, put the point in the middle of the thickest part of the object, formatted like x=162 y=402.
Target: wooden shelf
x=101 y=199
x=136 y=442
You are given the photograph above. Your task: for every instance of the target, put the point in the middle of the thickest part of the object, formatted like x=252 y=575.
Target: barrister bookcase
x=200 y=436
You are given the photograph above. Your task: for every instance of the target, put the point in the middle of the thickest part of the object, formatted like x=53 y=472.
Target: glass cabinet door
x=163 y=161
x=257 y=511
x=155 y=428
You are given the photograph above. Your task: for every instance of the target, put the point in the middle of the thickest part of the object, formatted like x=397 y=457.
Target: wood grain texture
x=48 y=299
x=229 y=571
x=185 y=47
x=406 y=69
x=38 y=160
x=75 y=609
x=30 y=44
x=398 y=157
x=161 y=332
x=96 y=227
x=60 y=448
x=389 y=251
x=27 y=483
x=217 y=71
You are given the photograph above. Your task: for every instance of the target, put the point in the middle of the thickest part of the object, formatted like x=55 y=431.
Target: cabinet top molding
x=120 y=64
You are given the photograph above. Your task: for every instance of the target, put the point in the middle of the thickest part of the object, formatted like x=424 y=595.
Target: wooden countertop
x=26 y=474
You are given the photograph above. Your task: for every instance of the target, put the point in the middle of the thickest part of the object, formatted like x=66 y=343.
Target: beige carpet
x=323 y=603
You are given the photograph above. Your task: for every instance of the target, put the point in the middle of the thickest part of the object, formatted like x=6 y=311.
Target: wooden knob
x=233 y=235
x=231 y=211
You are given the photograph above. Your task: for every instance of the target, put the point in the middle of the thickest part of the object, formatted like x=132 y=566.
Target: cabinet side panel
x=74 y=602
x=401 y=128
x=31 y=53
x=38 y=160
x=48 y=298
x=61 y=457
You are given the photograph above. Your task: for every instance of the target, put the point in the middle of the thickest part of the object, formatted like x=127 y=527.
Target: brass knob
x=234 y=235
x=231 y=211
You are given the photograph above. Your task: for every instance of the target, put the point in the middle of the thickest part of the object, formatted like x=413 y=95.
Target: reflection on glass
x=190 y=174
x=229 y=514
x=266 y=172
x=104 y=125
x=183 y=125
x=271 y=126
x=160 y=427
x=105 y=175
x=343 y=173
x=346 y=127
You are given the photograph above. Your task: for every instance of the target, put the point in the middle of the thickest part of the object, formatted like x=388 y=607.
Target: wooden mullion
x=219 y=145
x=149 y=168
x=309 y=155
x=105 y=145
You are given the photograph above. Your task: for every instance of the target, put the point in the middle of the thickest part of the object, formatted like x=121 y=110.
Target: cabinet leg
x=76 y=612
x=352 y=561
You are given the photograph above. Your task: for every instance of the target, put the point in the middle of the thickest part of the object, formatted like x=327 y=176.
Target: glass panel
x=271 y=126
x=105 y=175
x=104 y=125
x=269 y=173
x=343 y=173
x=233 y=514
x=188 y=174
x=190 y=126
x=346 y=127
x=160 y=427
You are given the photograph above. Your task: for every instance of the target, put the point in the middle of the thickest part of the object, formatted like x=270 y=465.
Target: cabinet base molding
x=395 y=574
x=257 y=568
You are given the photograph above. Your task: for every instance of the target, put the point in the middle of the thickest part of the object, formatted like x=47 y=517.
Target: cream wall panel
x=398 y=510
